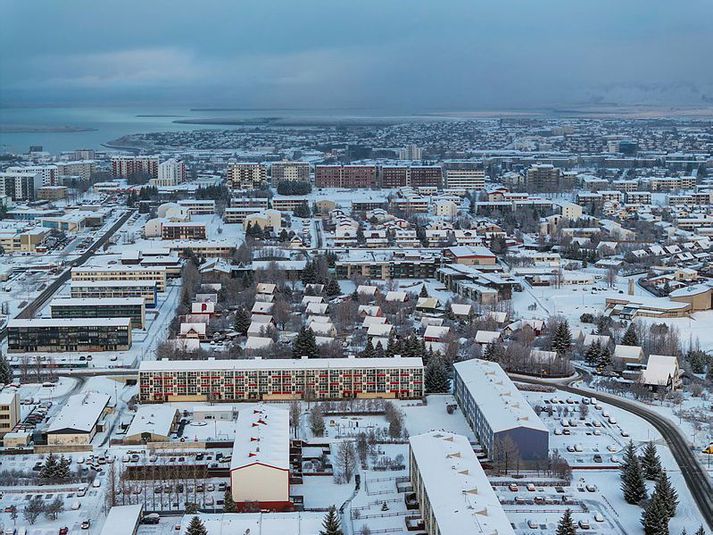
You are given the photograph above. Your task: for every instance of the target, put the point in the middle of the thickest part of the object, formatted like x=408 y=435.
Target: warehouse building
x=497 y=411
x=79 y=419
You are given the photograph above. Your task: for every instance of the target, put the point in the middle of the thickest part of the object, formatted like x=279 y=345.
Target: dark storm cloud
x=380 y=54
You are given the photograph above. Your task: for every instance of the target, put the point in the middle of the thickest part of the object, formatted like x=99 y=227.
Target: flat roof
x=80 y=412
x=69 y=322
x=122 y=520
x=106 y=301
x=112 y=284
x=279 y=364
x=460 y=495
x=262 y=437
x=497 y=397
x=156 y=419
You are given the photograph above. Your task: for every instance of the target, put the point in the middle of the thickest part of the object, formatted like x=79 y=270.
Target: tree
x=562 y=339
x=242 y=320
x=5 y=370
x=650 y=462
x=436 y=377
x=331 y=524
x=295 y=418
x=33 y=509
x=669 y=496
x=228 y=503
x=632 y=484
x=424 y=291
x=332 y=288
x=316 y=421
x=362 y=447
x=630 y=337
x=395 y=419
x=196 y=527
x=655 y=517
x=54 y=508
x=346 y=459
x=593 y=353
x=566 y=524
x=305 y=344
x=700 y=531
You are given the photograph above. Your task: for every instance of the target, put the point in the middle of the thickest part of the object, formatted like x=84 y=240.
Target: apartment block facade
x=280 y=379
x=61 y=335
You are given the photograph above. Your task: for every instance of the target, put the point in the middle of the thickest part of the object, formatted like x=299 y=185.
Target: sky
x=407 y=55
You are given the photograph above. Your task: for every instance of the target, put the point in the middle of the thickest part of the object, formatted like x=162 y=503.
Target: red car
x=64 y=531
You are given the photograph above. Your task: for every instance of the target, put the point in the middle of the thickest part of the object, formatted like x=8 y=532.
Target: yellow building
x=9 y=410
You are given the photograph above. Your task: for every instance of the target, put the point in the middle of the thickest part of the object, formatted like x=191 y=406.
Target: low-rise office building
x=280 y=379
x=133 y=308
x=61 y=335
x=121 y=273
x=79 y=419
x=146 y=290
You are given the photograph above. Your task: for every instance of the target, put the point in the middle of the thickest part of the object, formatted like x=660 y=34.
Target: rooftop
x=80 y=413
x=262 y=437
x=461 y=498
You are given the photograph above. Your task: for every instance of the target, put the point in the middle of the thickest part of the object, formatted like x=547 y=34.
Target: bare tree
x=346 y=460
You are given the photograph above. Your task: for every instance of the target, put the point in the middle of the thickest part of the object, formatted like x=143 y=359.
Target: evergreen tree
x=604 y=358
x=566 y=524
x=492 y=353
x=331 y=524
x=228 y=503
x=562 y=339
x=650 y=462
x=593 y=353
x=669 y=496
x=655 y=517
x=242 y=320
x=5 y=371
x=305 y=344
x=436 y=378
x=49 y=469
x=196 y=527
x=332 y=288
x=424 y=291
x=378 y=350
x=632 y=479
x=368 y=352
x=284 y=236
x=700 y=531
x=393 y=346
x=309 y=274
x=630 y=337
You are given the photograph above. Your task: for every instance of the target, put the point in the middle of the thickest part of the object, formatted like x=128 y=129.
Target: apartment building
x=430 y=176
x=238 y=215
x=246 y=175
x=133 y=308
x=198 y=206
x=170 y=173
x=543 y=177
x=280 y=379
x=118 y=289
x=22 y=241
x=388 y=265
x=48 y=173
x=469 y=179
x=20 y=185
x=345 y=176
x=288 y=203
x=627 y=186
x=183 y=230
x=121 y=273
x=249 y=202
x=292 y=171
x=452 y=489
x=638 y=197
x=134 y=166
x=61 y=335
x=9 y=410
x=83 y=169
x=497 y=411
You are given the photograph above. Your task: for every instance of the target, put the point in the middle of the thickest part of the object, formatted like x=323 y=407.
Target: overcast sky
x=406 y=55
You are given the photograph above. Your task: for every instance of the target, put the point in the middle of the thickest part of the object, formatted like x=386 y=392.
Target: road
x=696 y=478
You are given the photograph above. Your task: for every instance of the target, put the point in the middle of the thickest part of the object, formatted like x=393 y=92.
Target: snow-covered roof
x=262 y=437
x=593 y=338
x=257 y=523
x=394 y=296
x=373 y=320
x=279 y=364
x=122 y=519
x=628 y=352
x=80 y=413
x=461 y=309
x=70 y=322
x=502 y=404
x=379 y=329
x=487 y=337
x=659 y=370
x=460 y=495
x=155 y=419
x=258 y=342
